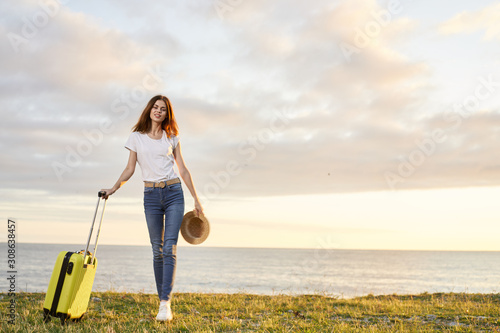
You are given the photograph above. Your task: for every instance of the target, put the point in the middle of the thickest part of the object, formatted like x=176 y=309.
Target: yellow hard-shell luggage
x=71 y=282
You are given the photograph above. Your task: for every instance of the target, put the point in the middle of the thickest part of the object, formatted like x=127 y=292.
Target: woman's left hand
x=197 y=208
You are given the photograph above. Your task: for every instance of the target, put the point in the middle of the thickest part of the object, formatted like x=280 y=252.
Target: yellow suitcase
x=71 y=282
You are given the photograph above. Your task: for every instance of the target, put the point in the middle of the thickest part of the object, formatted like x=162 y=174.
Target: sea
x=330 y=272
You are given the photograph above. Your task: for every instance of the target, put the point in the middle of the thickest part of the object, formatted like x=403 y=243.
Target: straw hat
x=195 y=229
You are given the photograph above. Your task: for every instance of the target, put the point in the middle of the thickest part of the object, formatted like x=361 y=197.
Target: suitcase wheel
x=77 y=320
x=46 y=316
x=63 y=318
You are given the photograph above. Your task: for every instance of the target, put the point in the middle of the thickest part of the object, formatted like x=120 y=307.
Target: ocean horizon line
x=267 y=248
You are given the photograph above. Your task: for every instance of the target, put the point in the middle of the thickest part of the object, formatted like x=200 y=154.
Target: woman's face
x=159 y=111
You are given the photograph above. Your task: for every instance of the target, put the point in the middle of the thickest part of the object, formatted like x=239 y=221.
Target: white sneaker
x=165 y=313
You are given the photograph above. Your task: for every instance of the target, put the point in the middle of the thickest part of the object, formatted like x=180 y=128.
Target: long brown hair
x=169 y=124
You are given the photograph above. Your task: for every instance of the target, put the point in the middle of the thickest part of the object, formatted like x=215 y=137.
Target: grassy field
x=126 y=312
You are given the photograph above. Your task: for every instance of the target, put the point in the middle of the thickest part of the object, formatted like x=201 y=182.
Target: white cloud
x=227 y=78
x=485 y=20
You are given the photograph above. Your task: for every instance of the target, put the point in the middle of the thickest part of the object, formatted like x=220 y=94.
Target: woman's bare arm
x=125 y=176
x=186 y=177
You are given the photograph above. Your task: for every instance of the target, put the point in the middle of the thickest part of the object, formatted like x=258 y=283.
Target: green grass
x=127 y=312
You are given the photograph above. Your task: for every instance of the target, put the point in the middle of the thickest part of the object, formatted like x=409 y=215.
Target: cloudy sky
x=341 y=124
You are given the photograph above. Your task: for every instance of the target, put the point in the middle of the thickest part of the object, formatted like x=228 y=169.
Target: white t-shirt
x=154 y=156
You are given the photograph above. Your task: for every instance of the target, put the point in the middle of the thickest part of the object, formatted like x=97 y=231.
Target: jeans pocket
x=175 y=187
x=148 y=190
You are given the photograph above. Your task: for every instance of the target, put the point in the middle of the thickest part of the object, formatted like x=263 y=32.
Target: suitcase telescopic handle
x=100 y=195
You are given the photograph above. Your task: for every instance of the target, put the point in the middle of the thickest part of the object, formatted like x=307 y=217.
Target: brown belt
x=163 y=183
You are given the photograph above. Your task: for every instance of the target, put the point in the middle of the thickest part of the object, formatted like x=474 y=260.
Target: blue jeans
x=164 y=209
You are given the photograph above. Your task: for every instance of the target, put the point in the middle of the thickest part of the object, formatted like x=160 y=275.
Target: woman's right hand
x=108 y=191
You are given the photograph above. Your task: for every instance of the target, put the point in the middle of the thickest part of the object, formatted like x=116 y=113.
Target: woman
x=154 y=144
